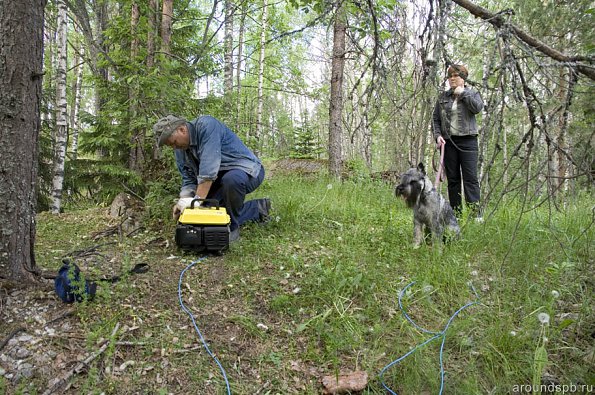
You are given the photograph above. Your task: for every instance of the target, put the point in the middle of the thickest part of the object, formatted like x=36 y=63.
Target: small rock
x=22 y=353
x=53 y=382
x=25 y=365
x=125 y=365
x=345 y=383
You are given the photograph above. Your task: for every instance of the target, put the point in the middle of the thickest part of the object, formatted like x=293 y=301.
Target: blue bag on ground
x=69 y=285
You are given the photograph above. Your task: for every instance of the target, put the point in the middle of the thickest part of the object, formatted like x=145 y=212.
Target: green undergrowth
x=315 y=292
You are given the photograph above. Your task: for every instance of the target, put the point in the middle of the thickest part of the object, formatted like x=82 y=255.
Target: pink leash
x=440 y=167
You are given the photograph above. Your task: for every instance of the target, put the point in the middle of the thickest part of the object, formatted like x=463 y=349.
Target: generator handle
x=214 y=201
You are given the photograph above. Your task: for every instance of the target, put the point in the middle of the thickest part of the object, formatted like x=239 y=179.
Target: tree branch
x=498 y=21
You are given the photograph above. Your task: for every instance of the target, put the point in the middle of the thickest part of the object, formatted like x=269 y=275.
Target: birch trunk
x=74 y=114
x=228 y=55
x=567 y=82
x=239 y=65
x=336 y=101
x=259 y=124
x=61 y=111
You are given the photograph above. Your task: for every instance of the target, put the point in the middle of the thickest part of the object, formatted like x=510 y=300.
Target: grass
x=315 y=292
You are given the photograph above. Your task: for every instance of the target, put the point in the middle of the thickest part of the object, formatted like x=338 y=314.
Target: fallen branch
x=64 y=314
x=79 y=367
x=10 y=336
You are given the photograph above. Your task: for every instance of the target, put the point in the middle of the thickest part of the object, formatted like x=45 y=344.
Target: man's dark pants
x=230 y=189
x=460 y=159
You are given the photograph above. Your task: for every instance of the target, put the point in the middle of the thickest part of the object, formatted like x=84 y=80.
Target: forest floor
x=309 y=295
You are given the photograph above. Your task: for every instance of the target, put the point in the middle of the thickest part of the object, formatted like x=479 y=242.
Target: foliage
x=389 y=86
x=305 y=144
x=99 y=180
x=162 y=190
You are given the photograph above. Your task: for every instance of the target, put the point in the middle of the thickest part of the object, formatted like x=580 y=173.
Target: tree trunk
x=74 y=114
x=136 y=154
x=166 y=22
x=259 y=124
x=239 y=65
x=152 y=30
x=228 y=55
x=336 y=102
x=101 y=12
x=21 y=54
x=567 y=81
x=61 y=111
x=95 y=45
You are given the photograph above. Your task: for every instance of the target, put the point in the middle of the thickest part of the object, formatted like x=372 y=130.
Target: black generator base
x=202 y=238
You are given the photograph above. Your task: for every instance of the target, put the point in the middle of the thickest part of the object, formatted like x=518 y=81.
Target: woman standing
x=454 y=125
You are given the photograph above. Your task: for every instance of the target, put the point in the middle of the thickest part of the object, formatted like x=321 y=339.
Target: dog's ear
x=421 y=168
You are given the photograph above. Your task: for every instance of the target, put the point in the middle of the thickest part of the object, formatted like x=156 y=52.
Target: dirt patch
x=44 y=339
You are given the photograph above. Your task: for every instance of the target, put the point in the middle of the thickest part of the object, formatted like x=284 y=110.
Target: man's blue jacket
x=213 y=148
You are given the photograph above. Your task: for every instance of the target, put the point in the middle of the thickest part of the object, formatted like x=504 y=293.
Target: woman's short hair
x=457 y=69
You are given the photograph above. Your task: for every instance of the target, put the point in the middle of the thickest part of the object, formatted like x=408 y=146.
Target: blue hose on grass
x=204 y=343
x=436 y=335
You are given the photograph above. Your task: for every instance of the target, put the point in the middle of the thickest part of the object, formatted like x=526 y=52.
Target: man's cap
x=166 y=126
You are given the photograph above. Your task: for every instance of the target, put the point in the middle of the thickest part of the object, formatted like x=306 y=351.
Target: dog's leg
x=437 y=231
x=454 y=231
x=418 y=233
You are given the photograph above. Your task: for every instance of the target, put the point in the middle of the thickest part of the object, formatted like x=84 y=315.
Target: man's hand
x=459 y=90
x=440 y=142
x=181 y=205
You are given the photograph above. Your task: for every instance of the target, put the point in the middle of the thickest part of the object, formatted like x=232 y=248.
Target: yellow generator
x=203 y=228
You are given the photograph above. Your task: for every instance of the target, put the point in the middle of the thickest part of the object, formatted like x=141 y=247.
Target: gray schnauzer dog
x=431 y=212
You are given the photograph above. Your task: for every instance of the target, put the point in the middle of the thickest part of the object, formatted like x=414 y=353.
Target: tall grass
x=346 y=250
x=315 y=292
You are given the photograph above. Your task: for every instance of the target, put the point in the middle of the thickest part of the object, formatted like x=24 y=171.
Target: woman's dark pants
x=460 y=163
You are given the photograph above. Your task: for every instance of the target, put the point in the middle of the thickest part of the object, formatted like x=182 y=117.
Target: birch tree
x=61 y=111
x=239 y=63
x=228 y=54
x=259 y=123
x=75 y=109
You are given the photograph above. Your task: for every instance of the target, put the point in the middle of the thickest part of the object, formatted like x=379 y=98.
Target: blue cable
x=204 y=343
x=442 y=334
